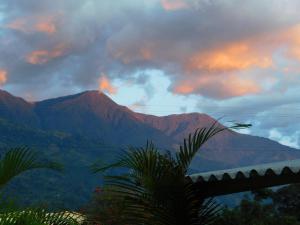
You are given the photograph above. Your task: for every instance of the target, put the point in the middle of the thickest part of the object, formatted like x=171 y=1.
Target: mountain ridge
x=79 y=129
x=94 y=104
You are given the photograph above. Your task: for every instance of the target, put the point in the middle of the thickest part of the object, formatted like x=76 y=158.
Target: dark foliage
x=267 y=207
x=155 y=190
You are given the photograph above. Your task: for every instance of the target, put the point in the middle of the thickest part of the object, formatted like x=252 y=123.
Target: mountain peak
x=92 y=93
x=178 y=126
x=16 y=109
x=92 y=97
x=6 y=95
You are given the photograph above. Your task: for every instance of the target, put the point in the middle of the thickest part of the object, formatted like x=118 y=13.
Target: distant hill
x=79 y=129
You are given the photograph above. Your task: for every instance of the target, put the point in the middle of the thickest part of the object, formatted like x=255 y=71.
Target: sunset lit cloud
x=3 y=76
x=170 y=5
x=43 y=24
x=291 y=39
x=106 y=86
x=132 y=54
x=234 y=57
x=189 y=50
x=43 y=56
x=46 y=26
x=18 y=24
x=218 y=87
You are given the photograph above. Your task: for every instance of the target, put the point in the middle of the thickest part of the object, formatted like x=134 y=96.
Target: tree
x=15 y=162
x=287 y=200
x=155 y=189
x=255 y=212
x=105 y=209
x=20 y=160
x=267 y=207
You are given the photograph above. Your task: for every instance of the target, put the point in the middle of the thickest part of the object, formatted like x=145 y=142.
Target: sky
x=239 y=60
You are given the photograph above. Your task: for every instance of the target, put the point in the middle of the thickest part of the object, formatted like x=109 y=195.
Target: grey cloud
x=275 y=111
x=130 y=36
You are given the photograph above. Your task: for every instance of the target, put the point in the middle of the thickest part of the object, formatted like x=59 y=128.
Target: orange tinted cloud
x=43 y=56
x=236 y=56
x=3 y=76
x=220 y=69
x=146 y=53
x=170 y=5
x=46 y=27
x=218 y=86
x=18 y=24
x=43 y=24
x=184 y=88
x=127 y=55
x=291 y=37
x=106 y=86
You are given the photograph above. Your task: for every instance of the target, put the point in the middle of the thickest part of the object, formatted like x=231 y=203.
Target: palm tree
x=155 y=188
x=15 y=162
x=20 y=160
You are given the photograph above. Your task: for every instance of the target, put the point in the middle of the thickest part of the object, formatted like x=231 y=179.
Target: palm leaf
x=195 y=141
x=154 y=187
x=19 y=160
x=38 y=217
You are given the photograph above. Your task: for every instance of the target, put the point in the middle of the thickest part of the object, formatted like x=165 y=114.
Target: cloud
x=46 y=27
x=40 y=23
x=3 y=76
x=106 y=86
x=274 y=111
x=198 y=42
x=139 y=106
x=44 y=56
x=244 y=62
x=290 y=140
x=218 y=87
x=170 y=5
x=18 y=24
x=198 y=46
x=236 y=56
x=206 y=48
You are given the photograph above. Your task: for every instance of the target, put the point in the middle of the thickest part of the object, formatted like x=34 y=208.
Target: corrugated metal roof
x=247 y=178
x=256 y=170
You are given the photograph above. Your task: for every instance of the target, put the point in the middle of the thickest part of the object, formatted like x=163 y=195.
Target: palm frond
x=209 y=211
x=39 y=217
x=19 y=160
x=194 y=142
x=154 y=187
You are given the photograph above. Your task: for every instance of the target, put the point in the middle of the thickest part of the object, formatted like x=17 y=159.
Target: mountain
x=16 y=109
x=79 y=129
x=231 y=148
x=94 y=115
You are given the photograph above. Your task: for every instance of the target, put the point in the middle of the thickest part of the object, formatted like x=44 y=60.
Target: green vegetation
x=37 y=217
x=149 y=186
x=268 y=207
x=20 y=160
x=263 y=207
x=46 y=187
x=105 y=208
x=154 y=188
x=13 y=163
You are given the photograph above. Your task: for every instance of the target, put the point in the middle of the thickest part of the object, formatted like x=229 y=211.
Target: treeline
x=265 y=207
